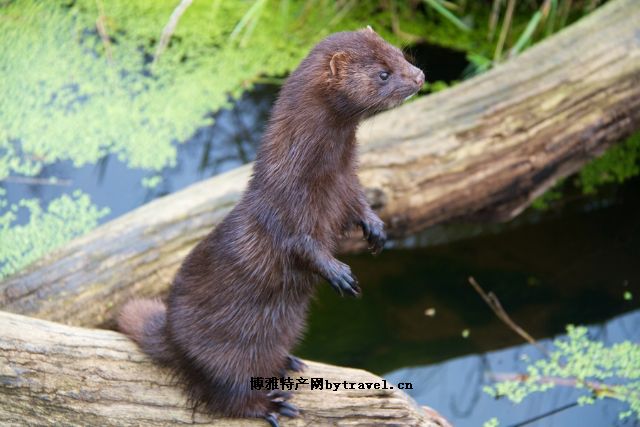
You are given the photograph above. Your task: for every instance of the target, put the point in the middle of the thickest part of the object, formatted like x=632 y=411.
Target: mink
x=238 y=303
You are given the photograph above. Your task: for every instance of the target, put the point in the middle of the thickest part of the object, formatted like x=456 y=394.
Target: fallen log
x=52 y=374
x=481 y=150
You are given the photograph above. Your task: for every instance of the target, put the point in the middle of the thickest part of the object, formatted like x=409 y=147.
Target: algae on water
x=601 y=372
x=71 y=92
x=64 y=218
x=76 y=91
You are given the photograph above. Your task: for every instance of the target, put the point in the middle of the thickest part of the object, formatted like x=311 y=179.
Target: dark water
x=569 y=266
x=572 y=267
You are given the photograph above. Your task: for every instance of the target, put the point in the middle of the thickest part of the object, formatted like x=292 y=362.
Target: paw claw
x=336 y=287
x=288 y=410
x=374 y=235
x=341 y=279
x=279 y=406
x=272 y=419
x=295 y=364
x=346 y=284
x=279 y=395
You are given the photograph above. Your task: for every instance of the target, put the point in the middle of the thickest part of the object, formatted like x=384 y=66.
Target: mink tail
x=144 y=321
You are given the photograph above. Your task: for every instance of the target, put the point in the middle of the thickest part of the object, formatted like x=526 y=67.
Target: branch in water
x=493 y=302
x=37 y=181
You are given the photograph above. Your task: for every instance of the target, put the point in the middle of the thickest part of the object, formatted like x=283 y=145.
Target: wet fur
x=239 y=301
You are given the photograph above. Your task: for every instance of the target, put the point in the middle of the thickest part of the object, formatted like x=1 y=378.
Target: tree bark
x=52 y=374
x=481 y=150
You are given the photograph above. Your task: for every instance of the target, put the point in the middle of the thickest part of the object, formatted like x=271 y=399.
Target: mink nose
x=419 y=77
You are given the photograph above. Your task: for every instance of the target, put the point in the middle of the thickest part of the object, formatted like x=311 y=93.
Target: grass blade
x=246 y=18
x=527 y=34
x=438 y=7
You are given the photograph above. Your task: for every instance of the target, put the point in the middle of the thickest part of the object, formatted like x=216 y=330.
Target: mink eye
x=383 y=75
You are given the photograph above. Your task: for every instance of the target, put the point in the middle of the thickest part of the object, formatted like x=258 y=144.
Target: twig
x=38 y=181
x=101 y=26
x=506 y=26
x=545 y=415
x=545 y=9
x=170 y=28
x=493 y=21
x=493 y=303
x=564 y=12
x=598 y=388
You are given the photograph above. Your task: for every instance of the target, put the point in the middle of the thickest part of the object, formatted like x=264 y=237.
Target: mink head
x=365 y=74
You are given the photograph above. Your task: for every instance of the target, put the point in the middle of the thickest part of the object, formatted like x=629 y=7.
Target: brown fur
x=238 y=303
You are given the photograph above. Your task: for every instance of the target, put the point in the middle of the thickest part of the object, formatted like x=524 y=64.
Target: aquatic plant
x=64 y=218
x=493 y=422
x=602 y=372
x=615 y=166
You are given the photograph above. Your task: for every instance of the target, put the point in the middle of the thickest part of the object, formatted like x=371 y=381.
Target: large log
x=481 y=150
x=52 y=374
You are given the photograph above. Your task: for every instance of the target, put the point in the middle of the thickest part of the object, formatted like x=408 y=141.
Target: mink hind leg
x=240 y=400
x=234 y=396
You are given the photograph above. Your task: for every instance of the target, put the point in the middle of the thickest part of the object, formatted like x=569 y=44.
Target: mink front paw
x=342 y=280
x=373 y=231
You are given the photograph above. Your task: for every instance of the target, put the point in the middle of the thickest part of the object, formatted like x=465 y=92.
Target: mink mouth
x=394 y=100
x=411 y=94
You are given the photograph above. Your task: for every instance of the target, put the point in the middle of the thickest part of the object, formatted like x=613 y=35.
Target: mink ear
x=336 y=61
x=370 y=29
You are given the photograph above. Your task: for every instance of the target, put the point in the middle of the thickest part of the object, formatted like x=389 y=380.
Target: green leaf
x=527 y=34
x=447 y=14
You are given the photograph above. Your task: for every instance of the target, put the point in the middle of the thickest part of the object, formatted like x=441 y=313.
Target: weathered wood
x=481 y=150
x=52 y=374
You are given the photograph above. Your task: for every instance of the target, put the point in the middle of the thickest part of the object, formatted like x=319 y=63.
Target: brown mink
x=238 y=302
